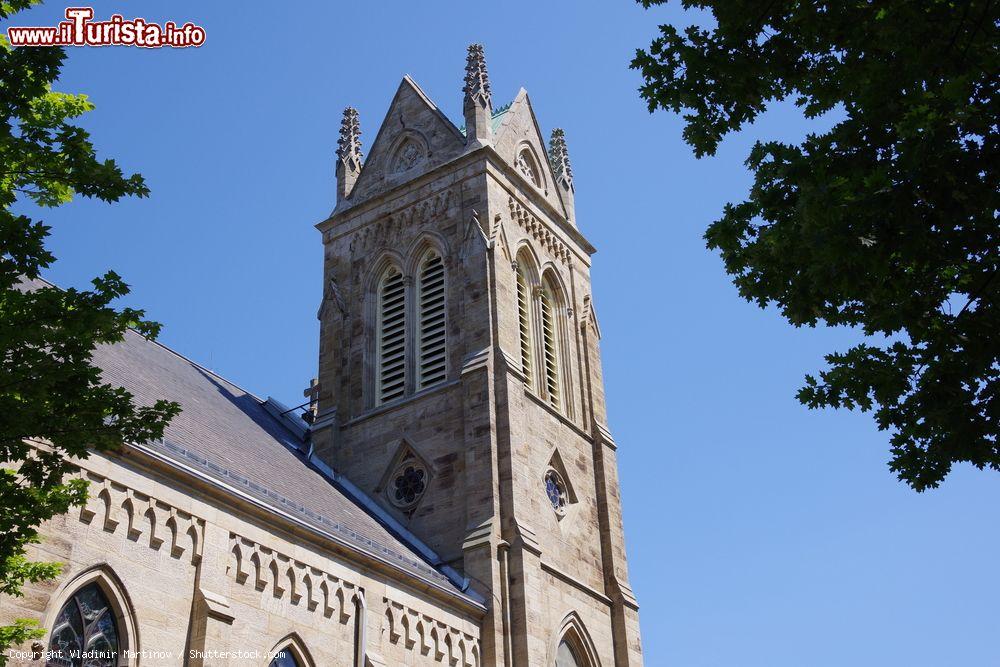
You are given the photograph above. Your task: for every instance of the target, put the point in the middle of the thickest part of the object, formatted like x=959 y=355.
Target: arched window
x=391 y=336
x=284 y=658
x=566 y=656
x=551 y=348
x=524 y=323
x=528 y=167
x=85 y=626
x=431 y=334
x=290 y=652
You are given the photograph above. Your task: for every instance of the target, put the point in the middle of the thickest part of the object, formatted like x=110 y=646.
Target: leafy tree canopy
x=887 y=222
x=53 y=404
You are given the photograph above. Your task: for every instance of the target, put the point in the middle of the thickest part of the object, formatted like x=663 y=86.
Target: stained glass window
x=85 y=634
x=555 y=490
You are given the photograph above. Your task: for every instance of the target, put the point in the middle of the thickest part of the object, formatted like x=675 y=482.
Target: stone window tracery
x=408 y=484
x=529 y=169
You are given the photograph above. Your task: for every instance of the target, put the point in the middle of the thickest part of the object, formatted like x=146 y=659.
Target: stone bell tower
x=460 y=377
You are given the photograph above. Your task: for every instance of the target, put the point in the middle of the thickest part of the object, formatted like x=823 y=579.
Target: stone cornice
x=494 y=160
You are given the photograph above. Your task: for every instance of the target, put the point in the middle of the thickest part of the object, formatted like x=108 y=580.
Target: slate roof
x=225 y=433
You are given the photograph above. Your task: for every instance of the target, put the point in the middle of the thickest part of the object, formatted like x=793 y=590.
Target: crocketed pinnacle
x=349 y=144
x=559 y=156
x=477 y=81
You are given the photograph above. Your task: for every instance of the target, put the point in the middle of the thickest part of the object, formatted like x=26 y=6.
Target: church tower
x=460 y=381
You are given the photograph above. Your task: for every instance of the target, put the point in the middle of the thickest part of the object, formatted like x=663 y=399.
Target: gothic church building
x=451 y=496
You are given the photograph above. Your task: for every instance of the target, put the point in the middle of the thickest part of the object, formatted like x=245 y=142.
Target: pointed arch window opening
x=391 y=336
x=85 y=632
x=551 y=348
x=528 y=167
x=285 y=658
x=524 y=325
x=566 y=656
x=431 y=334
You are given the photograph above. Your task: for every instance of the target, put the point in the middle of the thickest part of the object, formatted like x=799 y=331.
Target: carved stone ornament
x=408 y=157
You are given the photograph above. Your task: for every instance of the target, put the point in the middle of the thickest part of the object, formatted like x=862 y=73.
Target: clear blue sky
x=759 y=533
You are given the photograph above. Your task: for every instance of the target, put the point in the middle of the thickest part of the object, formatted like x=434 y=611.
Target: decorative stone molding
x=266 y=569
x=499 y=242
x=386 y=231
x=432 y=638
x=590 y=316
x=474 y=237
x=115 y=506
x=540 y=232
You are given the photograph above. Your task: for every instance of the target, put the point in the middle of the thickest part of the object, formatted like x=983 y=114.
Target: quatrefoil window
x=408 y=484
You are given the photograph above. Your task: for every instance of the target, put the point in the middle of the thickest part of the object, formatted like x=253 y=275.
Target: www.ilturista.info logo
x=80 y=30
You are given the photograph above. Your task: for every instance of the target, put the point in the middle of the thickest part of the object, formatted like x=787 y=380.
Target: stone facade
x=496 y=486
x=191 y=575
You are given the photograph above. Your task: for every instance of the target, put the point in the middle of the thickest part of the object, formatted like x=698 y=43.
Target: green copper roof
x=497 y=117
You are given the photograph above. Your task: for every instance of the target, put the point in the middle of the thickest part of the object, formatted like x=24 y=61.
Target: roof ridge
x=194 y=363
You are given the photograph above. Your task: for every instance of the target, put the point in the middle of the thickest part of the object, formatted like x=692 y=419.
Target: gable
x=414 y=137
x=518 y=135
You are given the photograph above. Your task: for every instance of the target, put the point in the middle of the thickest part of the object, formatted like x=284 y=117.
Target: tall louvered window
x=524 y=324
x=550 y=347
x=391 y=336
x=431 y=338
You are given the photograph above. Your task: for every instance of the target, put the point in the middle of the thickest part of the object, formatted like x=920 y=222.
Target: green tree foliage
x=53 y=405
x=887 y=222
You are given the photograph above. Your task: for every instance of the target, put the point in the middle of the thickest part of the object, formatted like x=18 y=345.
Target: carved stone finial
x=349 y=143
x=477 y=81
x=559 y=156
x=349 y=156
x=562 y=171
x=478 y=104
